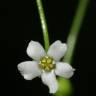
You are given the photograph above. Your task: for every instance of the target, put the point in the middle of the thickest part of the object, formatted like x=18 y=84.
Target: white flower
x=46 y=65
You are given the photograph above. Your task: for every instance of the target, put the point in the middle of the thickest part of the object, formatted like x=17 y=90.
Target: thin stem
x=43 y=24
x=77 y=22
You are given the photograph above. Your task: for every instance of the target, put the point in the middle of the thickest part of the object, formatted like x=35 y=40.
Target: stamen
x=47 y=63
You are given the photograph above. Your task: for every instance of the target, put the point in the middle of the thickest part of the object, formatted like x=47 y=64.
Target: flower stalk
x=71 y=42
x=43 y=23
x=74 y=31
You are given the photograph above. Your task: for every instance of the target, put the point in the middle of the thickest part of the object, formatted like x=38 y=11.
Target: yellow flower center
x=47 y=63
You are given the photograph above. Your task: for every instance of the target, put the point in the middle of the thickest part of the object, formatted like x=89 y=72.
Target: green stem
x=43 y=24
x=71 y=41
x=77 y=22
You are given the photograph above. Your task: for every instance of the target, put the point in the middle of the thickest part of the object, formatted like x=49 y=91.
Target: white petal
x=49 y=79
x=35 y=50
x=64 y=70
x=28 y=76
x=57 y=50
x=29 y=69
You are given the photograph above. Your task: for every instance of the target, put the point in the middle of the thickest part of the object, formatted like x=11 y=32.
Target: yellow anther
x=49 y=60
x=43 y=60
x=47 y=69
x=51 y=65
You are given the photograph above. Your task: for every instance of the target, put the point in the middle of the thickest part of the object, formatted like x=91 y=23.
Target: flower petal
x=64 y=70
x=35 y=50
x=49 y=79
x=29 y=69
x=57 y=50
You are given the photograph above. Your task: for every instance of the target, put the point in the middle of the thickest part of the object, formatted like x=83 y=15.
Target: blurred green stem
x=77 y=22
x=64 y=86
x=43 y=23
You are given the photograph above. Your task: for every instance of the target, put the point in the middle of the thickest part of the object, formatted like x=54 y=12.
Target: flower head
x=46 y=65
